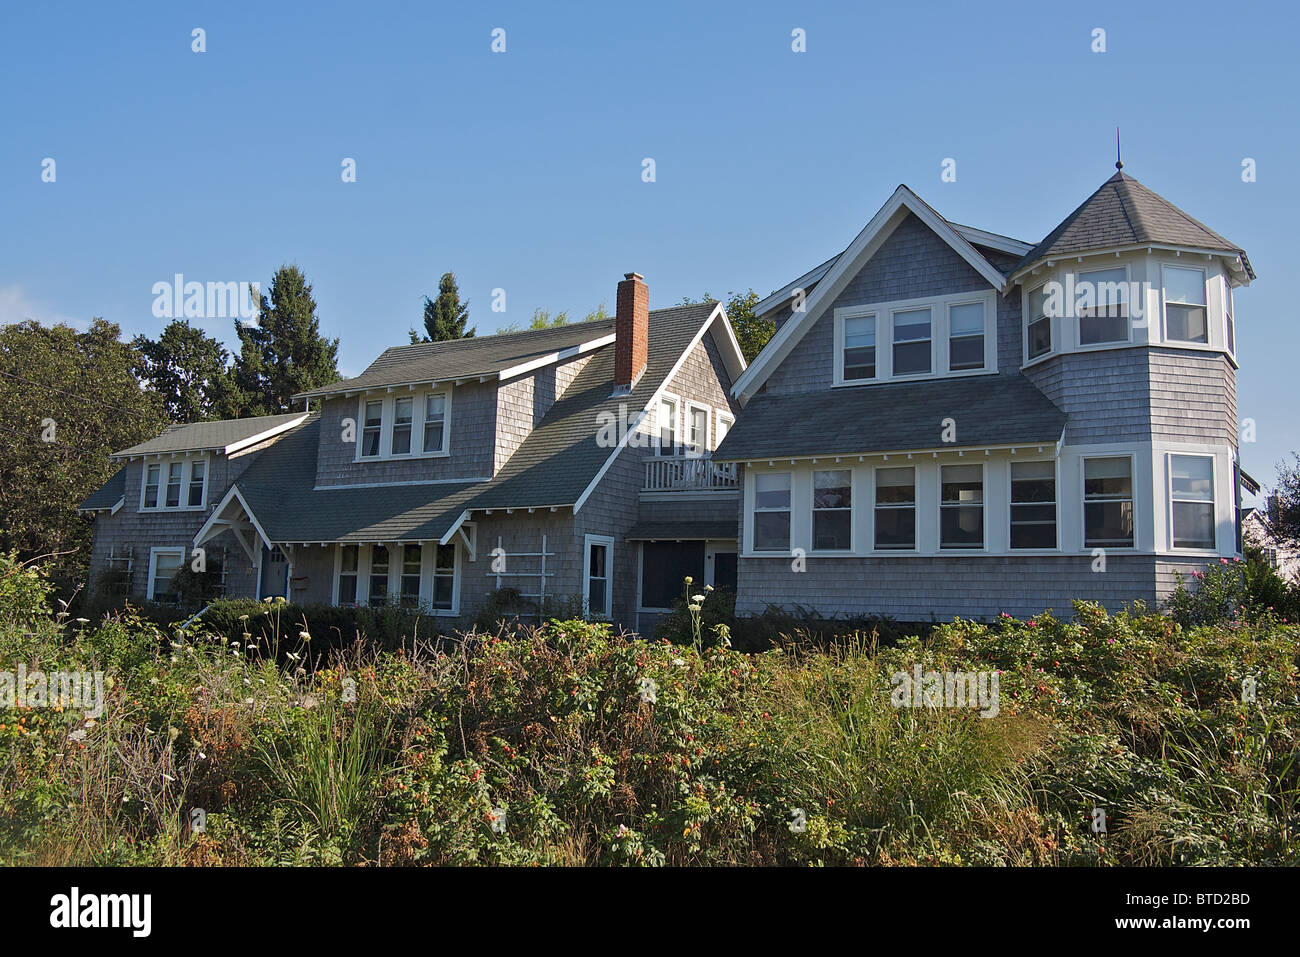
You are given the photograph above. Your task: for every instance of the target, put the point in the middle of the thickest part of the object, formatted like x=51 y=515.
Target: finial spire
x=1119 y=163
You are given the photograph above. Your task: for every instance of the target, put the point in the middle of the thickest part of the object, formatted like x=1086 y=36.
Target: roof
x=681 y=531
x=1123 y=212
x=224 y=435
x=107 y=496
x=466 y=358
x=554 y=466
x=993 y=410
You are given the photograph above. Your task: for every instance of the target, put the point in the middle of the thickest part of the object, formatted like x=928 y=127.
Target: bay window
x=1227 y=317
x=1038 y=325
x=895 y=511
x=1108 y=502
x=1185 y=306
x=961 y=506
x=1103 y=306
x=1191 y=492
x=832 y=511
x=772 y=512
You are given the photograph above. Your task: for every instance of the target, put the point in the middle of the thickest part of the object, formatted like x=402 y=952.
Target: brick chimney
x=631 y=331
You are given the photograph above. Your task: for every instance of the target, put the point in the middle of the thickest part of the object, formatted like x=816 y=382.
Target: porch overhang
x=234 y=515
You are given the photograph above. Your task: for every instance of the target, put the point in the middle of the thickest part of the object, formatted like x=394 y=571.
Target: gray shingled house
x=952 y=422
x=571 y=465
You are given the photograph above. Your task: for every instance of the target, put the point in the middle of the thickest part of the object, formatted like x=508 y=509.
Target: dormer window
x=966 y=336
x=401 y=442
x=1185 y=307
x=859 y=347
x=405 y=426
x=373 y=427
x=912 y=342
x=939 y=336
x=175 y=485
x=1103 y=306
x=435 y=423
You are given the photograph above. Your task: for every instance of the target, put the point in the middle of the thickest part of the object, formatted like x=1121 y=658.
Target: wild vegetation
x=566 y=744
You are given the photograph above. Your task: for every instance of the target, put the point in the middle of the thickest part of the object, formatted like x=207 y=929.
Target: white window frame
x=1212 y=549
x=1056 y=505
x=393 y=583
x=336 y=598
x=1229 y=320
x=1134 y=498
x=667 y=398
x=154 y=552
x=721 y=416
x=940 y=336
x=813 y=510
x=1164 y=307
x=1053 y=345
x=915 y=507
x=984 y=509
x=752 y=510
x=704 y=447
x=388 y=418
x=1072 y=309
x=187 y=469
x=608 y=542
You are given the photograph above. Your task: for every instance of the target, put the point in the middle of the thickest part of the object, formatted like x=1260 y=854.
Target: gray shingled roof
x=681 y=531
x=988 y=410
x=108 y=494
x=1123 y=212
x=201 y=436
x=464 y=358
x=553 y=466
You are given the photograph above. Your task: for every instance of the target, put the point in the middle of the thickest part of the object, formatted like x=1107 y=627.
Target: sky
x=524 y=171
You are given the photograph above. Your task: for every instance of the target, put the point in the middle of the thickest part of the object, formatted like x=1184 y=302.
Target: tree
x=542 y=319
x=1284 y=519
x=187 y=369
x=445 y=318
x=283 y=352
x=67 y=400
x=752 y=332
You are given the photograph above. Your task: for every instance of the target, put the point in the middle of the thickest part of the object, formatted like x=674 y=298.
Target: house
x=948 y=421
x=1257 y=527
x=570 y=465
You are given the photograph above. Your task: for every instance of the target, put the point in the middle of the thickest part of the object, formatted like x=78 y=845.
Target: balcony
x=689 y=473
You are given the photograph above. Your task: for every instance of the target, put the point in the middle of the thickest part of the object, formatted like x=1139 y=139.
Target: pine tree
x=446 y=317
x=284 y=352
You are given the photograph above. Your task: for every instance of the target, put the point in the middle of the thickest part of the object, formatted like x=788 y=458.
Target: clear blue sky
x=522 y=170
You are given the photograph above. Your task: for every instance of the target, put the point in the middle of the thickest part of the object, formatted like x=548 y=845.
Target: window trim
x=720 y=416
x=1229 y=320
x=154 y=552
x=388 y=419
x=607 y=541
x=1073 y=311
x=1213 y=503
x=393 y=584
x=705 y=447
x=1164 y=307
x=1053 y=343
x=915 y=547
x=187 y=471
x=336 y=595
x=675 y=401
x=1133 y=499
x=984 y=509
x=752 y=510
x=940 y=337
x=1056 y=503
x=813 y=510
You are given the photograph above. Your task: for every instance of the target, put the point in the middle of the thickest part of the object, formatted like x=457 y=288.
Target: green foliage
x=187 y=369
x=752 y=332
x=446 y=317
x=1234 y=592
x=282 y=352
x=1284 y=520
x=67 y=399
x=24 y=593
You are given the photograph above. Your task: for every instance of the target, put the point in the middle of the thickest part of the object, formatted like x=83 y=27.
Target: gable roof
x=224 y=435
x=1123 y=213
x=557 y=464
x=846 y=266
x=109 y=496
x=479 y=356
x=995 y=410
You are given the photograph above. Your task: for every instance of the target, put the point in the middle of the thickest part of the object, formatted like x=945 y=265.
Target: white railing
x=688 y=473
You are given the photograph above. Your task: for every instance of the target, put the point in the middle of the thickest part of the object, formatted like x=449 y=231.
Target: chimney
x=631 y=331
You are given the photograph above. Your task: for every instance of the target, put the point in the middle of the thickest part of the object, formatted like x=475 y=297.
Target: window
x=961 y=506
x=400 y=442
x=859 y=348
x=1108 y=502
x=435 y=423
x=772 y=512
x=912 y=341
x=832 y=510
x=723 y=426
x=378 y=589
x=1191 y=489
x=666 y=444
x=1038 y=324
x=348 y=574
x=164 y=563
x=197 y=472
x=410 y=583
x=896 y=508
x=370 y=434
x=174 y=470
x=1185 y=312
x=665 y=566
x=151 y=474
x=596 y=586
x=697 y=430
x=444 y=577
x=966 y=336
x=1033 y=505
x=1103 y=306
x=1227 y=316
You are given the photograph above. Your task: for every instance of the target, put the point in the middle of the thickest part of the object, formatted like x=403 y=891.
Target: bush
x=1233 y=592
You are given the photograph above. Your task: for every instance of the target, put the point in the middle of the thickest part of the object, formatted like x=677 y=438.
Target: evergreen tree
x=188 y=370
x=445 y=317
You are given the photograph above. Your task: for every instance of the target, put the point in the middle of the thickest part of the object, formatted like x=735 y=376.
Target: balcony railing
x=689 y=473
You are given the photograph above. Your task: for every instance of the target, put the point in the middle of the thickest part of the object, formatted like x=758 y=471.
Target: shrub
x=1233 y=591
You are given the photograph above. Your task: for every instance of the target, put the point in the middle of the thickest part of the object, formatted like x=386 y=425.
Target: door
x=275 y=573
